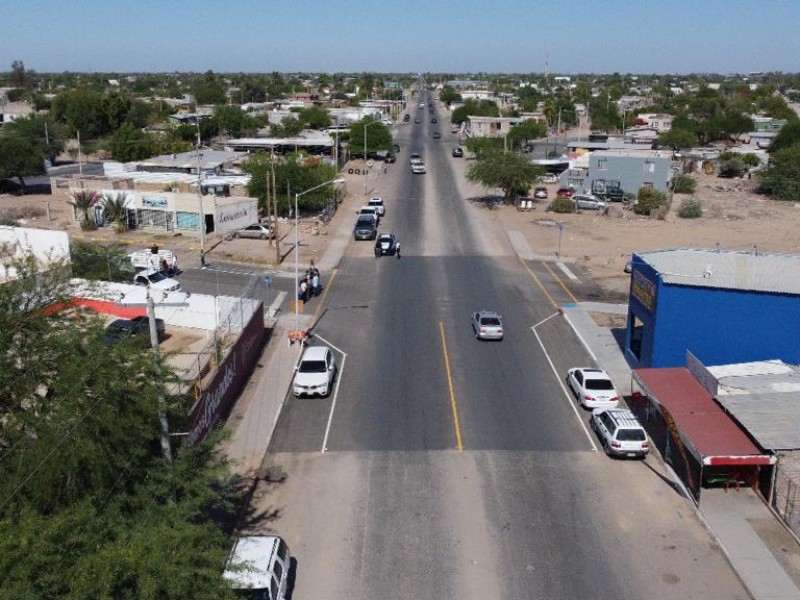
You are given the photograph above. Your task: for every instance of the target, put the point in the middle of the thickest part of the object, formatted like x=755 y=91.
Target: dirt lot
x=733 y=216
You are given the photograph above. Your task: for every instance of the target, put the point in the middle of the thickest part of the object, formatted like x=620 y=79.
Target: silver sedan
x=487 y=325
x=254 y=231
x=590 y=202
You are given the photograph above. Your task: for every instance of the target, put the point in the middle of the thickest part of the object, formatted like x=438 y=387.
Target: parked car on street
x=457 y=152
x=590 y=202
x=620 y=432
x=255 y=231
x=259 y=566
x=592 y=387
x=377 y=203
x=540 y=192
x=157 y=281
x=315 y=372
x=366 y=228
x=371 y=210
x=564 y=192
x=547 y=178
x=487 y=325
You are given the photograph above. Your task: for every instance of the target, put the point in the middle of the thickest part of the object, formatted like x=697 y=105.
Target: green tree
x=19 y=76
x=210 y=90
x=115 y=108
x=530 y=129
x=781 y=179
x=315 y=117
x=448 y=95
x=474 y=108
x=82 y=111
x=20 y=158
x=505 y=170
x=677 y=139
x=233 y=121
x=649 y=200
x=114 y=208
x=684 y=184
x=41 y=132
x=288 y=127
x=379 y=138
x=788 y=136
x=482 y=147
x=128 y=144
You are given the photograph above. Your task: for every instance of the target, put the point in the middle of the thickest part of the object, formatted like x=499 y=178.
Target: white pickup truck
x=147 y=260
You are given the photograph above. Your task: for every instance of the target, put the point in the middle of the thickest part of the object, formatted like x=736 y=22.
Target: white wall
x=45 y=244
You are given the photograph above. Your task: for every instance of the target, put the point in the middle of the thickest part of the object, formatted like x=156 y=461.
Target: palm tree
x=115 y=210
x=84 y=201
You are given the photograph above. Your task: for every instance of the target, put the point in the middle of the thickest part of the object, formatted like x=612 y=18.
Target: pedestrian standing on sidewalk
x=397 y=249
x=203 y=264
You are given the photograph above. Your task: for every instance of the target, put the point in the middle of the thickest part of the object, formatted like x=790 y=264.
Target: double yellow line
x=453 y=404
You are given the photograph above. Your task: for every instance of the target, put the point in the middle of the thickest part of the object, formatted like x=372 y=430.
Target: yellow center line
x=560 y=282
x=450 y=385
x=539 y=283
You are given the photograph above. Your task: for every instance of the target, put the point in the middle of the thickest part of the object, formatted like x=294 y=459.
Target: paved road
x=450 y=468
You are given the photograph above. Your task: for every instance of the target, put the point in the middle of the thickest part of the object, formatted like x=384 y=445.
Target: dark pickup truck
x=609 y=191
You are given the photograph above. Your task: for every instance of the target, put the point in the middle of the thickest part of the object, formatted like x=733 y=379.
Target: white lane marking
x=567 y=394
x=339 y=374
x=580 y=337
x=567 y=272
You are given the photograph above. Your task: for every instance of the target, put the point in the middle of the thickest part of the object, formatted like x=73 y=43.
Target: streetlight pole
x=365 y=153
x=166 y=450
x=297 y=247
x=201 y=218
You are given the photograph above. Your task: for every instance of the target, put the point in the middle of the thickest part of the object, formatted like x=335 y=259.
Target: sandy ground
x=734 y=217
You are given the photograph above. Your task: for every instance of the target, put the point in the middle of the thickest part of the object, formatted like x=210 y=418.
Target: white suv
x=315 y=373
x=620 y=432
x=258 y=567
x=377 y=203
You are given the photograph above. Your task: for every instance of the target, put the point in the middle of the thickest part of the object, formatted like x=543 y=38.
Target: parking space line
x=453 y=404
x=561 y=283
x=567 y=272
x=564 y=389
x=335 y=392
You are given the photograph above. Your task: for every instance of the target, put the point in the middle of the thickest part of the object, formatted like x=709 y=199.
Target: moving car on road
x=487 y=325
x=619 y=432
x=418 y=168
x=386 y=245
x=457 y=152
x=592 y=387
x=315 y=372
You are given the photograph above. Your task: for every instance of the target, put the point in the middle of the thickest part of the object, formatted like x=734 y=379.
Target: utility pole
x=166 y=450
x=275 y=212
x=200 y=216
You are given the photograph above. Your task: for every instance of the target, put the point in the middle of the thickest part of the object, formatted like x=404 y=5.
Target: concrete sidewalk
x=745 y=528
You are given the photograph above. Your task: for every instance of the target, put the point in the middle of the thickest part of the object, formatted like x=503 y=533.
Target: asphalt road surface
x=446 y=467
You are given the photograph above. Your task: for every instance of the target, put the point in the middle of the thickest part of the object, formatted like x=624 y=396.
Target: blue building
x=723 y=307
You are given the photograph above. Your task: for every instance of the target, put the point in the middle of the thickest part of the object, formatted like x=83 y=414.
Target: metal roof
x=764 y=397
x=208 y=159
x=712 y=435
x=726 y=269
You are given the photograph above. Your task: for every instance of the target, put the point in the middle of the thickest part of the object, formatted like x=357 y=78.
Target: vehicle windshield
x=599 y=384
x=156 y=277
x=312 y=366
x=490 y=321
x=631 y=435
x=365 y=221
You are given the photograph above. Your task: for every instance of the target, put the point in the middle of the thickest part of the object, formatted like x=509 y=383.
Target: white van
x=258 y=567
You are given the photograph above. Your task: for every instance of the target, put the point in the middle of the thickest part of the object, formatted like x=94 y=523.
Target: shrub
x=562 y=205
x=690 y=209
x=649 y=201
x=751 y=159
x=733 y=167
x=683 y=184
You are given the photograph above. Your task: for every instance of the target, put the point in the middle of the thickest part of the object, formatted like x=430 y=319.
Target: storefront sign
x=643 y=290
x=234 y=215
x=153 y=201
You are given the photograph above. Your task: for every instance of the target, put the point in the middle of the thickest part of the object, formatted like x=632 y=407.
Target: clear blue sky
x=458 y=36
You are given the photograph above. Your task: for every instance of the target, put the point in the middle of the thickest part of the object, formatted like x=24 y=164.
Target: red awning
x=712 y=434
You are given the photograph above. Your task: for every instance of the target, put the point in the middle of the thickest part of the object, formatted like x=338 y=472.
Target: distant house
x=11 y=111
x=660 y=122
x=633 y=169
x=491 y=126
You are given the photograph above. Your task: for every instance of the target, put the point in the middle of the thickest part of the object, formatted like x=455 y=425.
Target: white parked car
x=157 y=281
x=619 y=432
x=258 y=567
x=547 y=178
x=315 y=373
x=593 y=388
x=370 y=210
x=377 y=203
